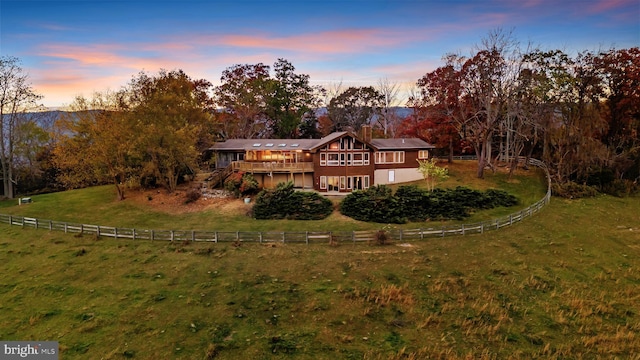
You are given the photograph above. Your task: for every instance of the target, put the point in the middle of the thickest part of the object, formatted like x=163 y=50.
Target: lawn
x=98 y=206
x=562 y=284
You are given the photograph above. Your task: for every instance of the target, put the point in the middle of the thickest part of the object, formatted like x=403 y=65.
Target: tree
x=488 y=82
x=619 y=71
x=431 y=172
x=438 y=108
x=354 y=108
x=97 y=144
x=16 y=98
x=33 y=141
x=292 y=101
x=243 y=96
x=388 y=120
x=168 y=112
x=570 y=91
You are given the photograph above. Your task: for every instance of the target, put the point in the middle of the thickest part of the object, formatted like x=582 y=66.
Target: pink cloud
x=326 y=42
x=608 y=5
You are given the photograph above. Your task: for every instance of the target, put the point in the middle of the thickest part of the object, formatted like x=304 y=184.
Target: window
x=323 y=182
x=392 y=176
x=323 y=159
x=343 y=182
x=357 y=159
x=334 y=145
x=342 y=159
x=389 y=157
x=358 y=182
x=423 y=154
x=333 y=159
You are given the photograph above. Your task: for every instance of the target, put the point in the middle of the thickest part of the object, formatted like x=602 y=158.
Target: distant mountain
x=400 y=111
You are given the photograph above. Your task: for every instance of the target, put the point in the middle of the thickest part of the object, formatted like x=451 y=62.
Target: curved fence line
x=307 y=237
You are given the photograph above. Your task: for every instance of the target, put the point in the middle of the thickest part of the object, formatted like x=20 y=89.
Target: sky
x=78 y=47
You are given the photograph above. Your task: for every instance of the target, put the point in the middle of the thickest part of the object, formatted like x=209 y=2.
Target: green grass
x=562 y=284
x=98 y=206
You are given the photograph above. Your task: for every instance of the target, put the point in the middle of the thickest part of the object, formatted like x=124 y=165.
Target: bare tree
x=388 y=119
x=16 y=98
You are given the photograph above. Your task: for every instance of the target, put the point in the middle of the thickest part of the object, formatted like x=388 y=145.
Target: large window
x=357 y=159
x=358 y=182
x=330 y=159
x=389 y=157
x=423 y=154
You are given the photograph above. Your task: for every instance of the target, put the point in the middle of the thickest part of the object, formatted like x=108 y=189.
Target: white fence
x=307 y=237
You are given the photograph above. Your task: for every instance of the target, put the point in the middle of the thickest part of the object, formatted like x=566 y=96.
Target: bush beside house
x=410 y=203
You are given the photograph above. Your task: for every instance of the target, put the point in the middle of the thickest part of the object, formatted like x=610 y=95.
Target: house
x=339 y=162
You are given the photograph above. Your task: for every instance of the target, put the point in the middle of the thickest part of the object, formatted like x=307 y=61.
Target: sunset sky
x=71 y=48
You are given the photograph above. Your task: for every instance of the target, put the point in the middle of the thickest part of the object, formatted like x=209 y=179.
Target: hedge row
x=410 y=203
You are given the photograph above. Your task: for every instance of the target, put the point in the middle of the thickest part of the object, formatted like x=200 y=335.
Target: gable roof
x=314 y=144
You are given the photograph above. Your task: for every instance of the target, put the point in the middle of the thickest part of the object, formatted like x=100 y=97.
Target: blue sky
x=77 y=47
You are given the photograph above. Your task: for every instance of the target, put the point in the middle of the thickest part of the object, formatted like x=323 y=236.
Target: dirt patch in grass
x=175 y=203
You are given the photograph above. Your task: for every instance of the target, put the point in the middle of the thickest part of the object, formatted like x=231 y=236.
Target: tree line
x=580 y=114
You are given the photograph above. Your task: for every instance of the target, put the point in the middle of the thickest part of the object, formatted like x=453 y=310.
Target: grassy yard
x=98 y=206
x=565 y=283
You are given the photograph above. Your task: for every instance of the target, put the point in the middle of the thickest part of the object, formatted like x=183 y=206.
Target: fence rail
x=309 y=237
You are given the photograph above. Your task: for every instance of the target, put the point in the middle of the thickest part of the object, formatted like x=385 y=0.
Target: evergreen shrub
x=375 y=204
x=284 y=202
x=379 y=204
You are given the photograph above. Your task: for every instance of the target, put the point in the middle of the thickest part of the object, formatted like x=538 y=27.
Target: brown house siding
x=342 y=170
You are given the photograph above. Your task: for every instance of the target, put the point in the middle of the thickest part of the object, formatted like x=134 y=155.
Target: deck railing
x=267 y=167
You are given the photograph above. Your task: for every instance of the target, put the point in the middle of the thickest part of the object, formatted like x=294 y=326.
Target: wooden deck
x=268 y=167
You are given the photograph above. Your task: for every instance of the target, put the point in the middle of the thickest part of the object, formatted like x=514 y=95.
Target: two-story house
x=339 y=162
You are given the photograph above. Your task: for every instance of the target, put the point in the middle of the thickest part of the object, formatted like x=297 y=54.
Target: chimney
x=366 y=133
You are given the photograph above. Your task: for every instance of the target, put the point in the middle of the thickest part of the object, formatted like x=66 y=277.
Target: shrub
x=241 y=184
x=285 y=203
x=620 y=188
x=572 y=190
x=376 y=204
x=414 y=201
x=192 y=195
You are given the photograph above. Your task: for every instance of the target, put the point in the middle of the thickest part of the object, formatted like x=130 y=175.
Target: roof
x=408 y=144
x=313 y=144
x=265 y=144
